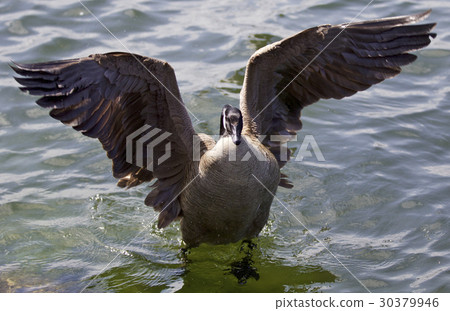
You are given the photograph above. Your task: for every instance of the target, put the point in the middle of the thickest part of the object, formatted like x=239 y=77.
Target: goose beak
x=235 y=136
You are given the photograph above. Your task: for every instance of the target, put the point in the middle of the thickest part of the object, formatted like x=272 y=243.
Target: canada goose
x=223 y=193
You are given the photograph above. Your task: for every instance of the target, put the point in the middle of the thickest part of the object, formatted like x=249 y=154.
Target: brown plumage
x=223 y=192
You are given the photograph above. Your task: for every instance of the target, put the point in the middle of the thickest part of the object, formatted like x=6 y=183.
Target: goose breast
x=230 y=198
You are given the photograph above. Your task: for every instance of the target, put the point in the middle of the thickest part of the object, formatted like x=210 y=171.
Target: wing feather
x=109 y=97
x=324 y=62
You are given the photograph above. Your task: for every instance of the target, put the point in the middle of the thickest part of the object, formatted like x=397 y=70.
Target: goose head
x=231 y=123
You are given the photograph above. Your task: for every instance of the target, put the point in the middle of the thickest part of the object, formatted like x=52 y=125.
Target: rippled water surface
x=379 y=203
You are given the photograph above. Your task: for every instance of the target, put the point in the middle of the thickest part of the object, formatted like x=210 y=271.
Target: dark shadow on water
x=225 y=268
x=244 y=268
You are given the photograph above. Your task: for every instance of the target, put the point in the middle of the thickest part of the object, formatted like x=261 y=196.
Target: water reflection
x=244 y=268
x=260 y=40
x=225 y=268
x=235 y=78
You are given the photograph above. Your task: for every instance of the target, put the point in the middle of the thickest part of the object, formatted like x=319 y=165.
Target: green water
x=376 y=211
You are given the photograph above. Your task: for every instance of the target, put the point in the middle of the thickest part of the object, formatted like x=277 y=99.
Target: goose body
x=221 y=191
x=232 y=196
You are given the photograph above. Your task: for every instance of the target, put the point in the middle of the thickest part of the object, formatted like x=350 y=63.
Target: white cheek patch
x=224 y=123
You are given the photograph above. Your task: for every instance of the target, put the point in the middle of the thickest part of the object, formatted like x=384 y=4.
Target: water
x=379 y=203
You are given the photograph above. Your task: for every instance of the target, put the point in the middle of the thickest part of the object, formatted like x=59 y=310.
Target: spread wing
x=128 y=102
x=324 y=62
